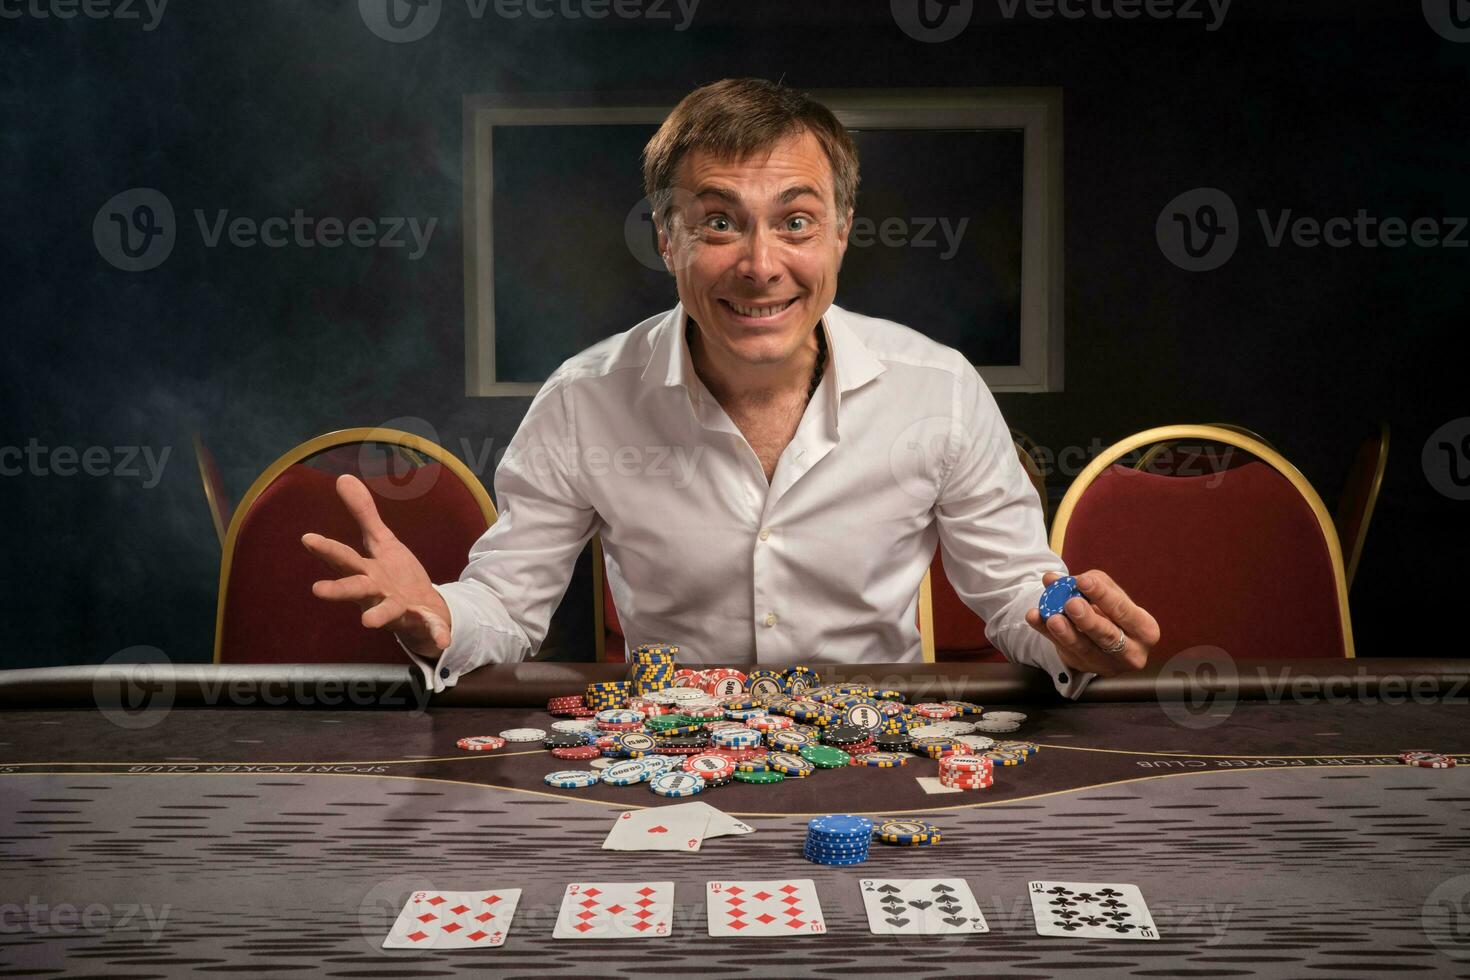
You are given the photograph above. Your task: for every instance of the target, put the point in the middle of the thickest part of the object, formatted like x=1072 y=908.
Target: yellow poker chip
x=1024 y=748
x=999 y=757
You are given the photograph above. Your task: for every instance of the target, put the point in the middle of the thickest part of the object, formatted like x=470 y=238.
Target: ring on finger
x=1117 y=645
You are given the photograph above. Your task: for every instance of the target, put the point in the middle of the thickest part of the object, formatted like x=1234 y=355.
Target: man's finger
x=1115 y=604
x=385 y=612
x=1076 y=650
x=1098 y=628
x=335 y=553
x=437 y=627
x=353 y=588
x=359 y=501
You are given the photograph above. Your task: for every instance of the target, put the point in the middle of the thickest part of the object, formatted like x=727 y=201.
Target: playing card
x=663 y=828
x=932 y=785
x=616 y=910
x=454 y=920
x=1090 y=910
x=721 y=824
x=921 y=906
x=785 y=907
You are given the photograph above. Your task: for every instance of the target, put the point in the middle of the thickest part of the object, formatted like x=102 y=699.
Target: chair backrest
x=1246 y=559
x=1174 y=457
x=216 y=497
x=1360 y=496
x=266 y=611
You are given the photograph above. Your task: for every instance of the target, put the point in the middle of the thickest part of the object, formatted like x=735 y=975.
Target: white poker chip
x=523 y=734
x=680 y=695
x=656 y=764
x=572 y=779
x=996 y=727
x=1014 y=717
x=945 y=728
x=603 y=762
x=574 y=725
x=676 y=784
x=619 y=716
x=980 y=743
x=626 y=773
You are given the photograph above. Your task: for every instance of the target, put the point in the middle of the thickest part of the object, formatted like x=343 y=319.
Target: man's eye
x=719 y=223
x=797 y=224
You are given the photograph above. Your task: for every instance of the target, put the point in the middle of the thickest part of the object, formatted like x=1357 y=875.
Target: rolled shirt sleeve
x=992 y=533
x=519 y=569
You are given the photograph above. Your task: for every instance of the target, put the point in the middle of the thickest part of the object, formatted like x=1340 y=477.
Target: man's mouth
x=759 y=312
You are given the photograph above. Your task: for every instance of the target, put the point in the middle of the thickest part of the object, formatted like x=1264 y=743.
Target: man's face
x=755 y=247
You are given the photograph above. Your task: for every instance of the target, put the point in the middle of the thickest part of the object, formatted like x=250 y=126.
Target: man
x=826 y=452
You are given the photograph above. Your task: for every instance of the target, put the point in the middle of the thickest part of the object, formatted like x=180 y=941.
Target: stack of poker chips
x=907 y=833
x=966 y=772
x=849 y=738
x=570 y=706
x=838 y=839
x=653 y=667
x=603 y=695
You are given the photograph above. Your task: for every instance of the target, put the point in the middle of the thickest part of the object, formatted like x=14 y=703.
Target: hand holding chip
x=1088 y=630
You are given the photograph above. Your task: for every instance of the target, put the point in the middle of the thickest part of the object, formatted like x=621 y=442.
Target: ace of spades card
x=1090 y=910
x=921 y=906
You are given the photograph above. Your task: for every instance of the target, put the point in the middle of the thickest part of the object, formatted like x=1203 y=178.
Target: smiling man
x=834 y=452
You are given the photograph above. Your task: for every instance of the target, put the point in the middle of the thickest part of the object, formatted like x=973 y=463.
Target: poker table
x=162 y=819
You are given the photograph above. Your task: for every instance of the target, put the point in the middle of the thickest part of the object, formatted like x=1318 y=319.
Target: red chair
x=1360 y=496
x=1172 y=457
x=266 y=611
x=1246 y=559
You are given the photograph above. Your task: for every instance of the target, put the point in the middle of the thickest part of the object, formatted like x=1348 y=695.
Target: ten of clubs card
x=921 y=906
x=785 y=907
x=616 y=910
x=454 y=920
x=1090 y=910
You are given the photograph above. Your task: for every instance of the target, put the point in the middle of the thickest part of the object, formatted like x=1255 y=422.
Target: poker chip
x=603 y=762
x=735 y=738
x=935 y=746
x=572 y=779
x=838 y=839
x=758 y=777
x=1425 y=759
x=676 y=784
x=578 y=753
x=845 y=735
x=1023 y=748
x=679 y=695
x=824 y=756
x=995 y=727
x=625 y=773
x=708 y=765
x=999 y=758
x=895 y=743
x=789 y=764
x=620 y=716
x=481 y=743
x=763 y=682
x=564 y=740
x=936 y=710
x=966 y=707
x=907 y=833
x=723 y=682
x=771 y=723
x=523 y=735
x=864 y=716
x=798 y=680
x=582 y=725
x=656 y=764
x=745 y=714
x=1010 y=717
x=884 y=760
x=1054 y=597
x=977 y=743
x=942 y=728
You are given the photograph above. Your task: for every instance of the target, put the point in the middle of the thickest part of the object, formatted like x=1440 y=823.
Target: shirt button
x=1062 y=677
x=765 y=533
x=770 y=619
x=444 y=672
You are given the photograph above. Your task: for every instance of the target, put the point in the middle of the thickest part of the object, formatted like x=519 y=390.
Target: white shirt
x=902 y=447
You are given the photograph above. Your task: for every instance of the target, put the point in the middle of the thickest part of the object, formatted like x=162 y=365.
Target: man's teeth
x=759 y=311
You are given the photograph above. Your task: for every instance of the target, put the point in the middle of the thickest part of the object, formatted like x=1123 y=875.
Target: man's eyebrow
x=730 y=197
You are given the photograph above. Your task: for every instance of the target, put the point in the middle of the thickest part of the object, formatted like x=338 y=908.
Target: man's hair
x=736 y=118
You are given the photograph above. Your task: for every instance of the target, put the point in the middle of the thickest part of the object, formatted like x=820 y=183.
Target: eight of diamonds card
x=1090 y=910
x=454 y=920
x=616 y=910
x=785 y=907
x=921 y=906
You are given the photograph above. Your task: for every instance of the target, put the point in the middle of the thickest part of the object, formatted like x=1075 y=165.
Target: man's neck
x=732 y=380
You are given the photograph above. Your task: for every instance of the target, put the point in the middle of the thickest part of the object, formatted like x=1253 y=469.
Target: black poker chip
x=840 y=735
x=892 y=743
x=684 y=742
x=564 y=740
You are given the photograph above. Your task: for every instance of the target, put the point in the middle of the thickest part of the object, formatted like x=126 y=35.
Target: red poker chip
x=1425 y=759
x=940 y=712
x=481 y=743
x=578 y=752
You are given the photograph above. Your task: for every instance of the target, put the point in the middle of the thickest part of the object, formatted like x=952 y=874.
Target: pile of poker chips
x=838 y=839
x=653 y=667
x=966 y=772
x=1425 y=759
x=602 y=695
x=907 y=833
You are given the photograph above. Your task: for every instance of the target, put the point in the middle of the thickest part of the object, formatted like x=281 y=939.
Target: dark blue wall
x=266 y=106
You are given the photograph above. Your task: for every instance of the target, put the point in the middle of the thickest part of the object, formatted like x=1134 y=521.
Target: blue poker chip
x=1054 y=597
x=841 y=824
x=573 y=778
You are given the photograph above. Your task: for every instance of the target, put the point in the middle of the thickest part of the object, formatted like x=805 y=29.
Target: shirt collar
x=671 y=365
